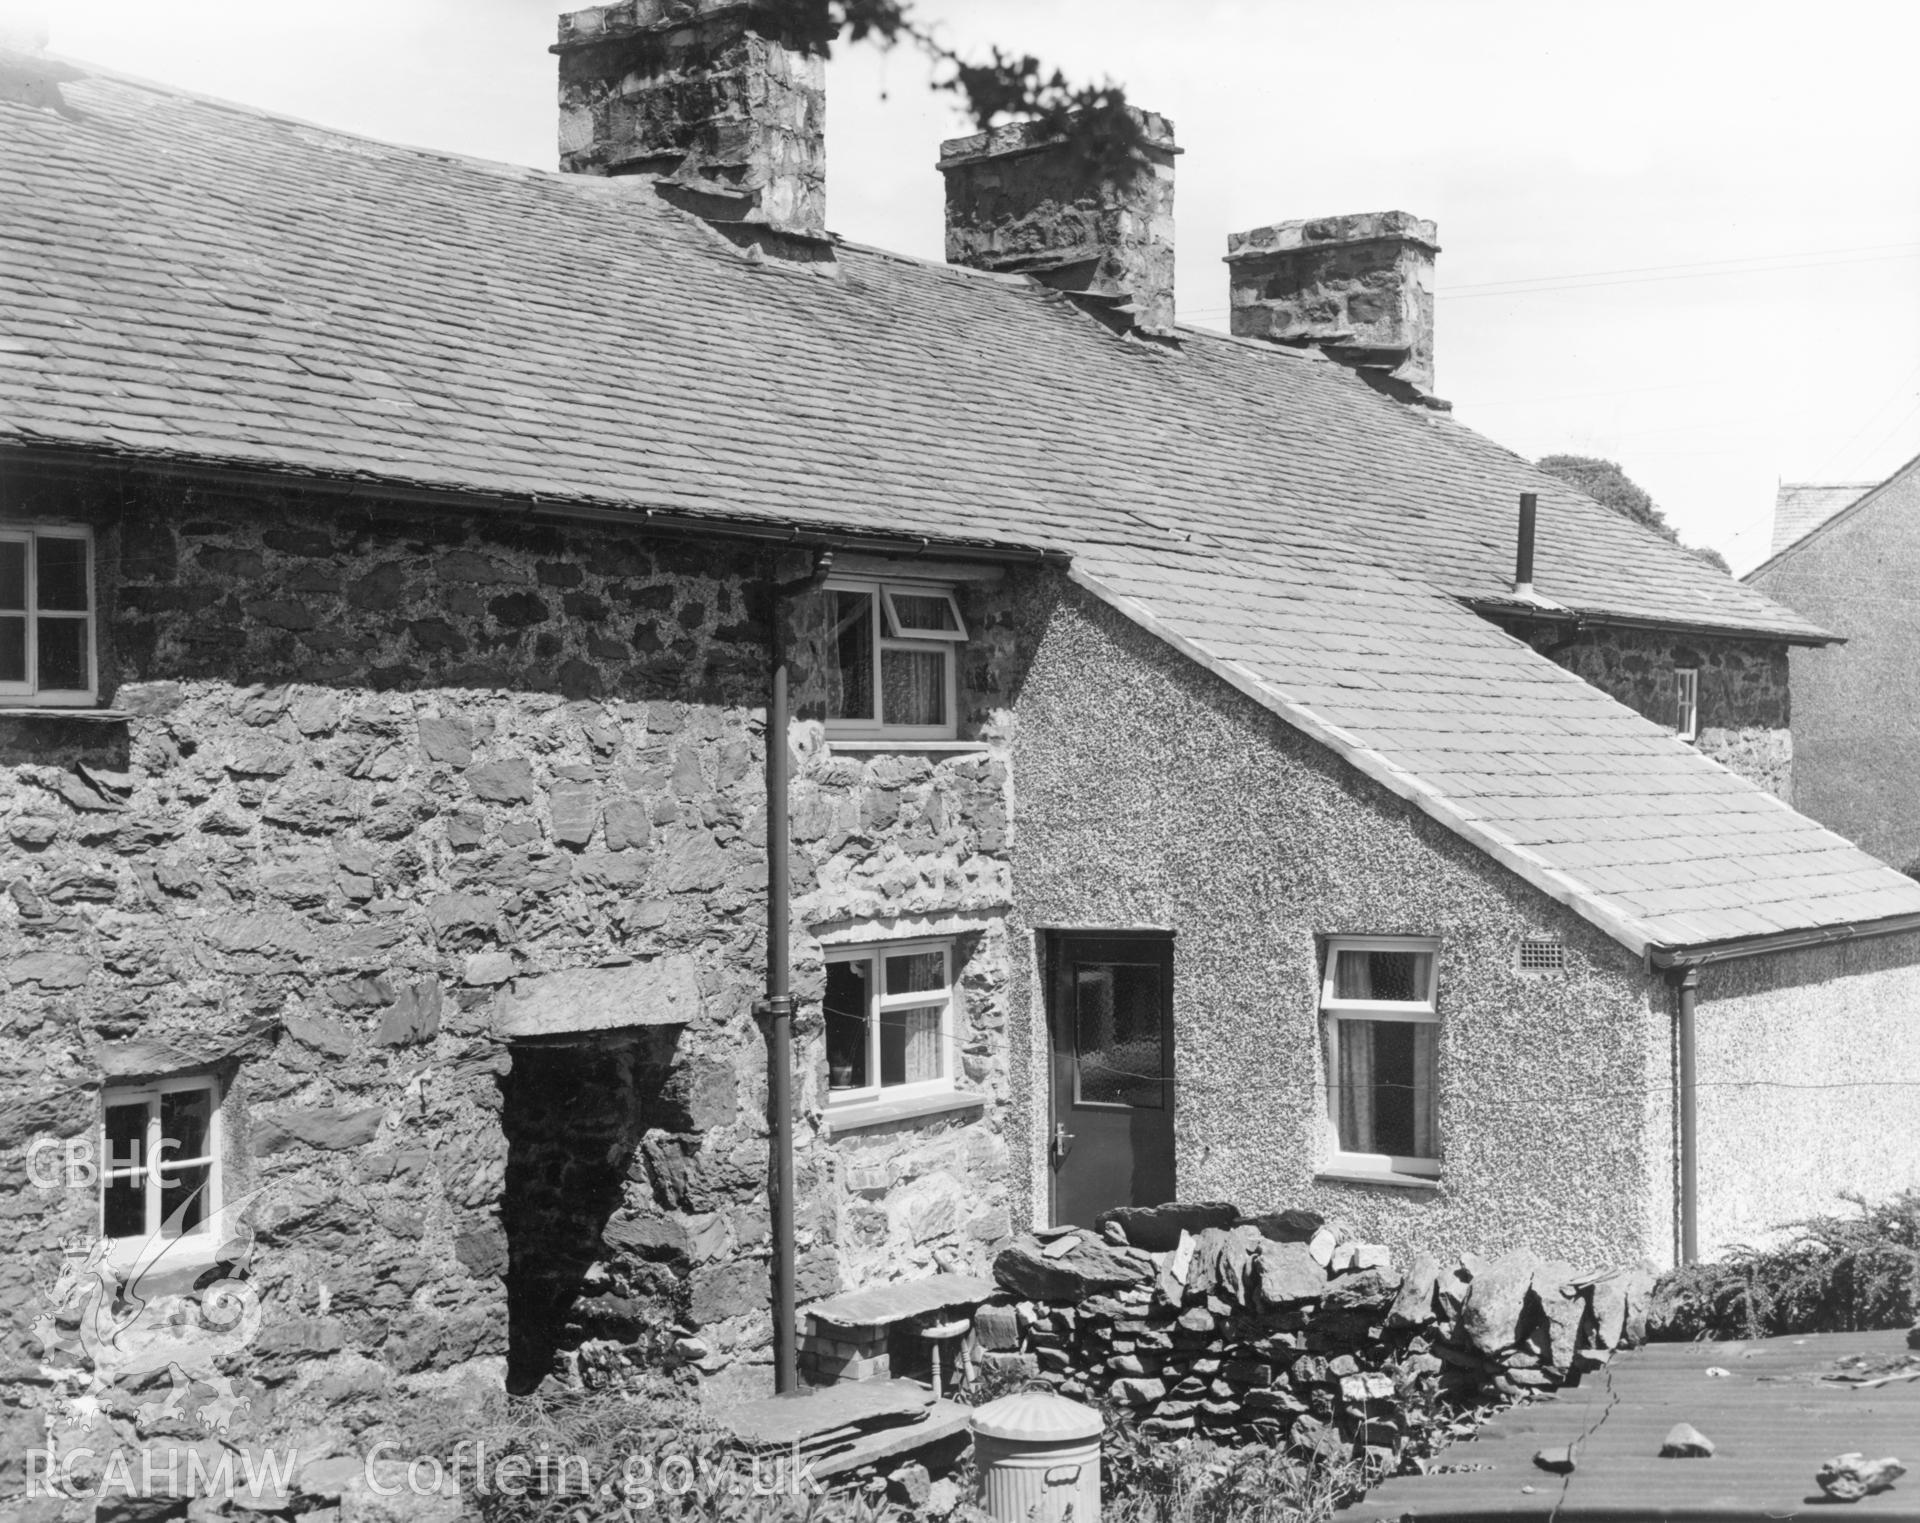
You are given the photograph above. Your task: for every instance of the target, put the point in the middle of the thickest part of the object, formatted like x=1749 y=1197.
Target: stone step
x=824 y=1415
x=884 y=1305
x=944 y=1420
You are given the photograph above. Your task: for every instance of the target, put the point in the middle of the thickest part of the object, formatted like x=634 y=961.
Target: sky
x=1684 y=236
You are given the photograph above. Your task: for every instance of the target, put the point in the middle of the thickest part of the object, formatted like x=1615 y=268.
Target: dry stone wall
x=1276 y=1330
x=405 y=810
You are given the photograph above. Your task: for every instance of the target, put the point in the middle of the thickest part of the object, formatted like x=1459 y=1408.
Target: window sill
x=178 y=1267
x=862 y=1114
x=1338 y=1175
x=54 y=711
x=860 y=747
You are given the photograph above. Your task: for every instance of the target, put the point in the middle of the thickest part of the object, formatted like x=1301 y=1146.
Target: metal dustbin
x=1038 y=1458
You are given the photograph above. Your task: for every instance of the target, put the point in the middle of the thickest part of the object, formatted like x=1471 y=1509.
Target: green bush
x=1829 y=1274
x=1148 y=1481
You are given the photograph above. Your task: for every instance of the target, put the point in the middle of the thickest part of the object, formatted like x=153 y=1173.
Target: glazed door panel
x=1110 y=1016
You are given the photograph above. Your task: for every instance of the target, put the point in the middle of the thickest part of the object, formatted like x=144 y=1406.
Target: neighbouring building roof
x=1841 y=503
x=187 y=282
x=1802 y=506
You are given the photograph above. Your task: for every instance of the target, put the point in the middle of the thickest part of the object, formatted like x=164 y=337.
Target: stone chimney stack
x=1021 y=201
x=718 y=102
x=1359 y=287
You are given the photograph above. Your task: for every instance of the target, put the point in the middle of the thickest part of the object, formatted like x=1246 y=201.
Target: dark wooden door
x=1110 y=1011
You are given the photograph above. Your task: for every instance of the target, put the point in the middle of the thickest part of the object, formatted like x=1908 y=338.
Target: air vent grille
x=1542 y=954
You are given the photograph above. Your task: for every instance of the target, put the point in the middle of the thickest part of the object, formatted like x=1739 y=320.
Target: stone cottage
x=1845 y=555
x=1186 y=796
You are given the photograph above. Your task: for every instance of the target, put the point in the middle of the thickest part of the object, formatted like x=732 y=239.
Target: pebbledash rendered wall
x=1856 y=711
x=1808 y=1083
x=1745 y=705
x=389 y=781
x=1150 y=793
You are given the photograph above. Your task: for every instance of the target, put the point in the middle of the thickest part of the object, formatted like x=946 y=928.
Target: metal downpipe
x=778 y=1005
x=1687 y=983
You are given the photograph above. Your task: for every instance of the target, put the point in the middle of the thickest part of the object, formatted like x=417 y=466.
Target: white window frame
x=1334 y=1010
x=28 y=692
x=885 y=634
x=153 y=1155
x=1686 y=702
x=879 y=1001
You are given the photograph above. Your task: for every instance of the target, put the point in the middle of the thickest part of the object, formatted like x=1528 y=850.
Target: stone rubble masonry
x=1018 y=200
x=1360 y=287
x=1241 y=1336
x=1744 y=696
x=716 y=98
x=388 y=782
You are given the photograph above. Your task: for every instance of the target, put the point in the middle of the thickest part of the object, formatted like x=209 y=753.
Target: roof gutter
x=1777 y=941
x=363 y=488
x=1512 y=608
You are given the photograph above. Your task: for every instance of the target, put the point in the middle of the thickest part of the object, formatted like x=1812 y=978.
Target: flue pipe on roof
x=1686 y=984
x=1523 y=553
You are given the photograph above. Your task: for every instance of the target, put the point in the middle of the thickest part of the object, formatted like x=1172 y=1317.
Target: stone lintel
x=664 y=991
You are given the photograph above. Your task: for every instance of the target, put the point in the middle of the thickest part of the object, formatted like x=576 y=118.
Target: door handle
x=1062 y=1141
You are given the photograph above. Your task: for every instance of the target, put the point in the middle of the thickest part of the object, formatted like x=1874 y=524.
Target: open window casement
x=49 y=655
x=892 y=668
x=1382 y=1027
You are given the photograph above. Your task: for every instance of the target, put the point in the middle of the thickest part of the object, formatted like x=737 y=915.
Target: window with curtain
x=889 y=1020
x=1382 y=1032
x=892 y=668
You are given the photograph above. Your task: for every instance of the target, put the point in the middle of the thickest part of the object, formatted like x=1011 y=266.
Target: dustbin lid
x=1038 y=1417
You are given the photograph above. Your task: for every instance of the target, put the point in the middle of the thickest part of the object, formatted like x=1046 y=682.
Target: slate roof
x=1802 y=506
x=1838 y=504
x=185 y=280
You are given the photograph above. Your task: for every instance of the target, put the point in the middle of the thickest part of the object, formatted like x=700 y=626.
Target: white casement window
x=889 y=1020
x=891 y=666
x=48 y=649
x=159 y=1159
x=1382 y=1021
x=1686 y=702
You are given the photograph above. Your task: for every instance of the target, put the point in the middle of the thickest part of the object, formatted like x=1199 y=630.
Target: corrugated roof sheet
x=191 y=280
x=1773 y=1420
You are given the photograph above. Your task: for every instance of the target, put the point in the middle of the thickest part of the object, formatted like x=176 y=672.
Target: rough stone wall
x=1152 y=794
x=1811 y=1061
x=1745 y=698
x=385 y=781
x=1856 y=707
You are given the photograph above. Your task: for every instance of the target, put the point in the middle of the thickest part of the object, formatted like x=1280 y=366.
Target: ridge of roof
x=1411 y=461
x=1873 y=494
x=175 y=287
